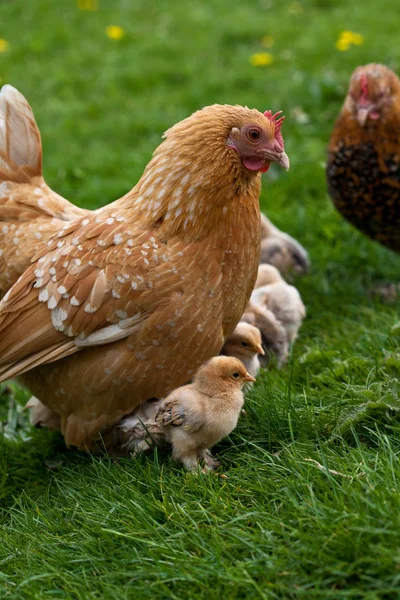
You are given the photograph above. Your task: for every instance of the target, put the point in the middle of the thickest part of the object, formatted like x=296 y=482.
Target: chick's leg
x=210 y=462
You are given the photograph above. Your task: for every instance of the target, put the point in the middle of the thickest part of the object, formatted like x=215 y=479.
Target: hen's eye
x=244 y=344
x=235 y=375
x=254 y=134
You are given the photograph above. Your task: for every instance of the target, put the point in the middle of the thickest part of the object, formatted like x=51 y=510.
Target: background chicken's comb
x=364 y=87
x=278 y=125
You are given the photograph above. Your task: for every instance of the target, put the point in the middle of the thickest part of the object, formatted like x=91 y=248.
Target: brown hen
x=363 y=169
x=123 y=304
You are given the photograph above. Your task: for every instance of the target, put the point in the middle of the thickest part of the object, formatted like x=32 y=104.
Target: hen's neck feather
x=194 y=180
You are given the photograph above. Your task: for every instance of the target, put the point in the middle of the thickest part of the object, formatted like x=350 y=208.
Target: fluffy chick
x=281 y=250
x=274 y=338
x=197 y=416
x=245 y=343
x=282 y=299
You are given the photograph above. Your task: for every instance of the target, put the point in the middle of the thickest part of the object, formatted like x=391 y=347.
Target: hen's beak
x=249 y=377
x=362 y=114
x=260 y=349
x=281 y=158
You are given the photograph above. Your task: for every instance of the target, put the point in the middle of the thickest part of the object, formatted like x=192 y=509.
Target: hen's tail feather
x=20 y=143
x=28 y=207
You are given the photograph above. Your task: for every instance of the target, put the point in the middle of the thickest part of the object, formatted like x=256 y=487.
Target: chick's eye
x=244 y=344
x=235 y=375
x=254 y=134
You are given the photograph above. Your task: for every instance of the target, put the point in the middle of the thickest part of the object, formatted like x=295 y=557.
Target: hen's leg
x=281 y=250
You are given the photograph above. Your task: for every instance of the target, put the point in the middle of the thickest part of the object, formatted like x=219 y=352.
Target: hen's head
x=372 y=91
x=253 y=139
x=258 y=141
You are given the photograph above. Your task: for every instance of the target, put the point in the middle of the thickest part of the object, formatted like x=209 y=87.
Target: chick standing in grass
x=197 y=416
x=245 y=343
x=282 y=299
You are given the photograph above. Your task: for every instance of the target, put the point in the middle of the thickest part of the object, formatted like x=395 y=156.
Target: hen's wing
x=96 y=286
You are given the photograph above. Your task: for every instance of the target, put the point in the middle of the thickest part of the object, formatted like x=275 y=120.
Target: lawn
x=75 y=526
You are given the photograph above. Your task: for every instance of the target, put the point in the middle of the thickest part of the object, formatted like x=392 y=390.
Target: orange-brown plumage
x=124 y=303
x=363 y=169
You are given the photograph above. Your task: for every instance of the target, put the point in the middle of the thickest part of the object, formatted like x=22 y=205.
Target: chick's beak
x=259 y=349
x=249 y=377
x=280 y=157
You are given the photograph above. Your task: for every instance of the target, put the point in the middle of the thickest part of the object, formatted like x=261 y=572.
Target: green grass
x=80 y=527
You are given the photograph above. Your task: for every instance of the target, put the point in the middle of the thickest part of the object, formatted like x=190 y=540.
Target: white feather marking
x=52 y=303
x=106 y=335
x=58 y=315
x=90 y=309
x=74 y=301
x=43 y=295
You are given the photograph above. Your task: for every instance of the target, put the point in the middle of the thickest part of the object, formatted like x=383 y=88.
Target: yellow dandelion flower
x=347 y=39
x=115 y=32
x=295 y=8
x=342 y=45
x=3 y=45
x=88 y=4
x=268 y=41
x=261 y=59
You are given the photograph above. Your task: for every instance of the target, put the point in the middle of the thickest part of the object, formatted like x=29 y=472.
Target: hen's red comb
x=278 y=125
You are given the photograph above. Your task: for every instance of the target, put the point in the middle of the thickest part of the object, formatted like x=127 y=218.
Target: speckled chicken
x=122 y=304
x=363 y=168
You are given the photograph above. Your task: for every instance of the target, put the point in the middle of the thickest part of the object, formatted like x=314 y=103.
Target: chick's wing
x=183 y=408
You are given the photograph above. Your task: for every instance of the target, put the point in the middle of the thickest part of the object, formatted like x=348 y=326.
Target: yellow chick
x=245 y=343
x=282 y=299
x=281 y=250
x=197 y=416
